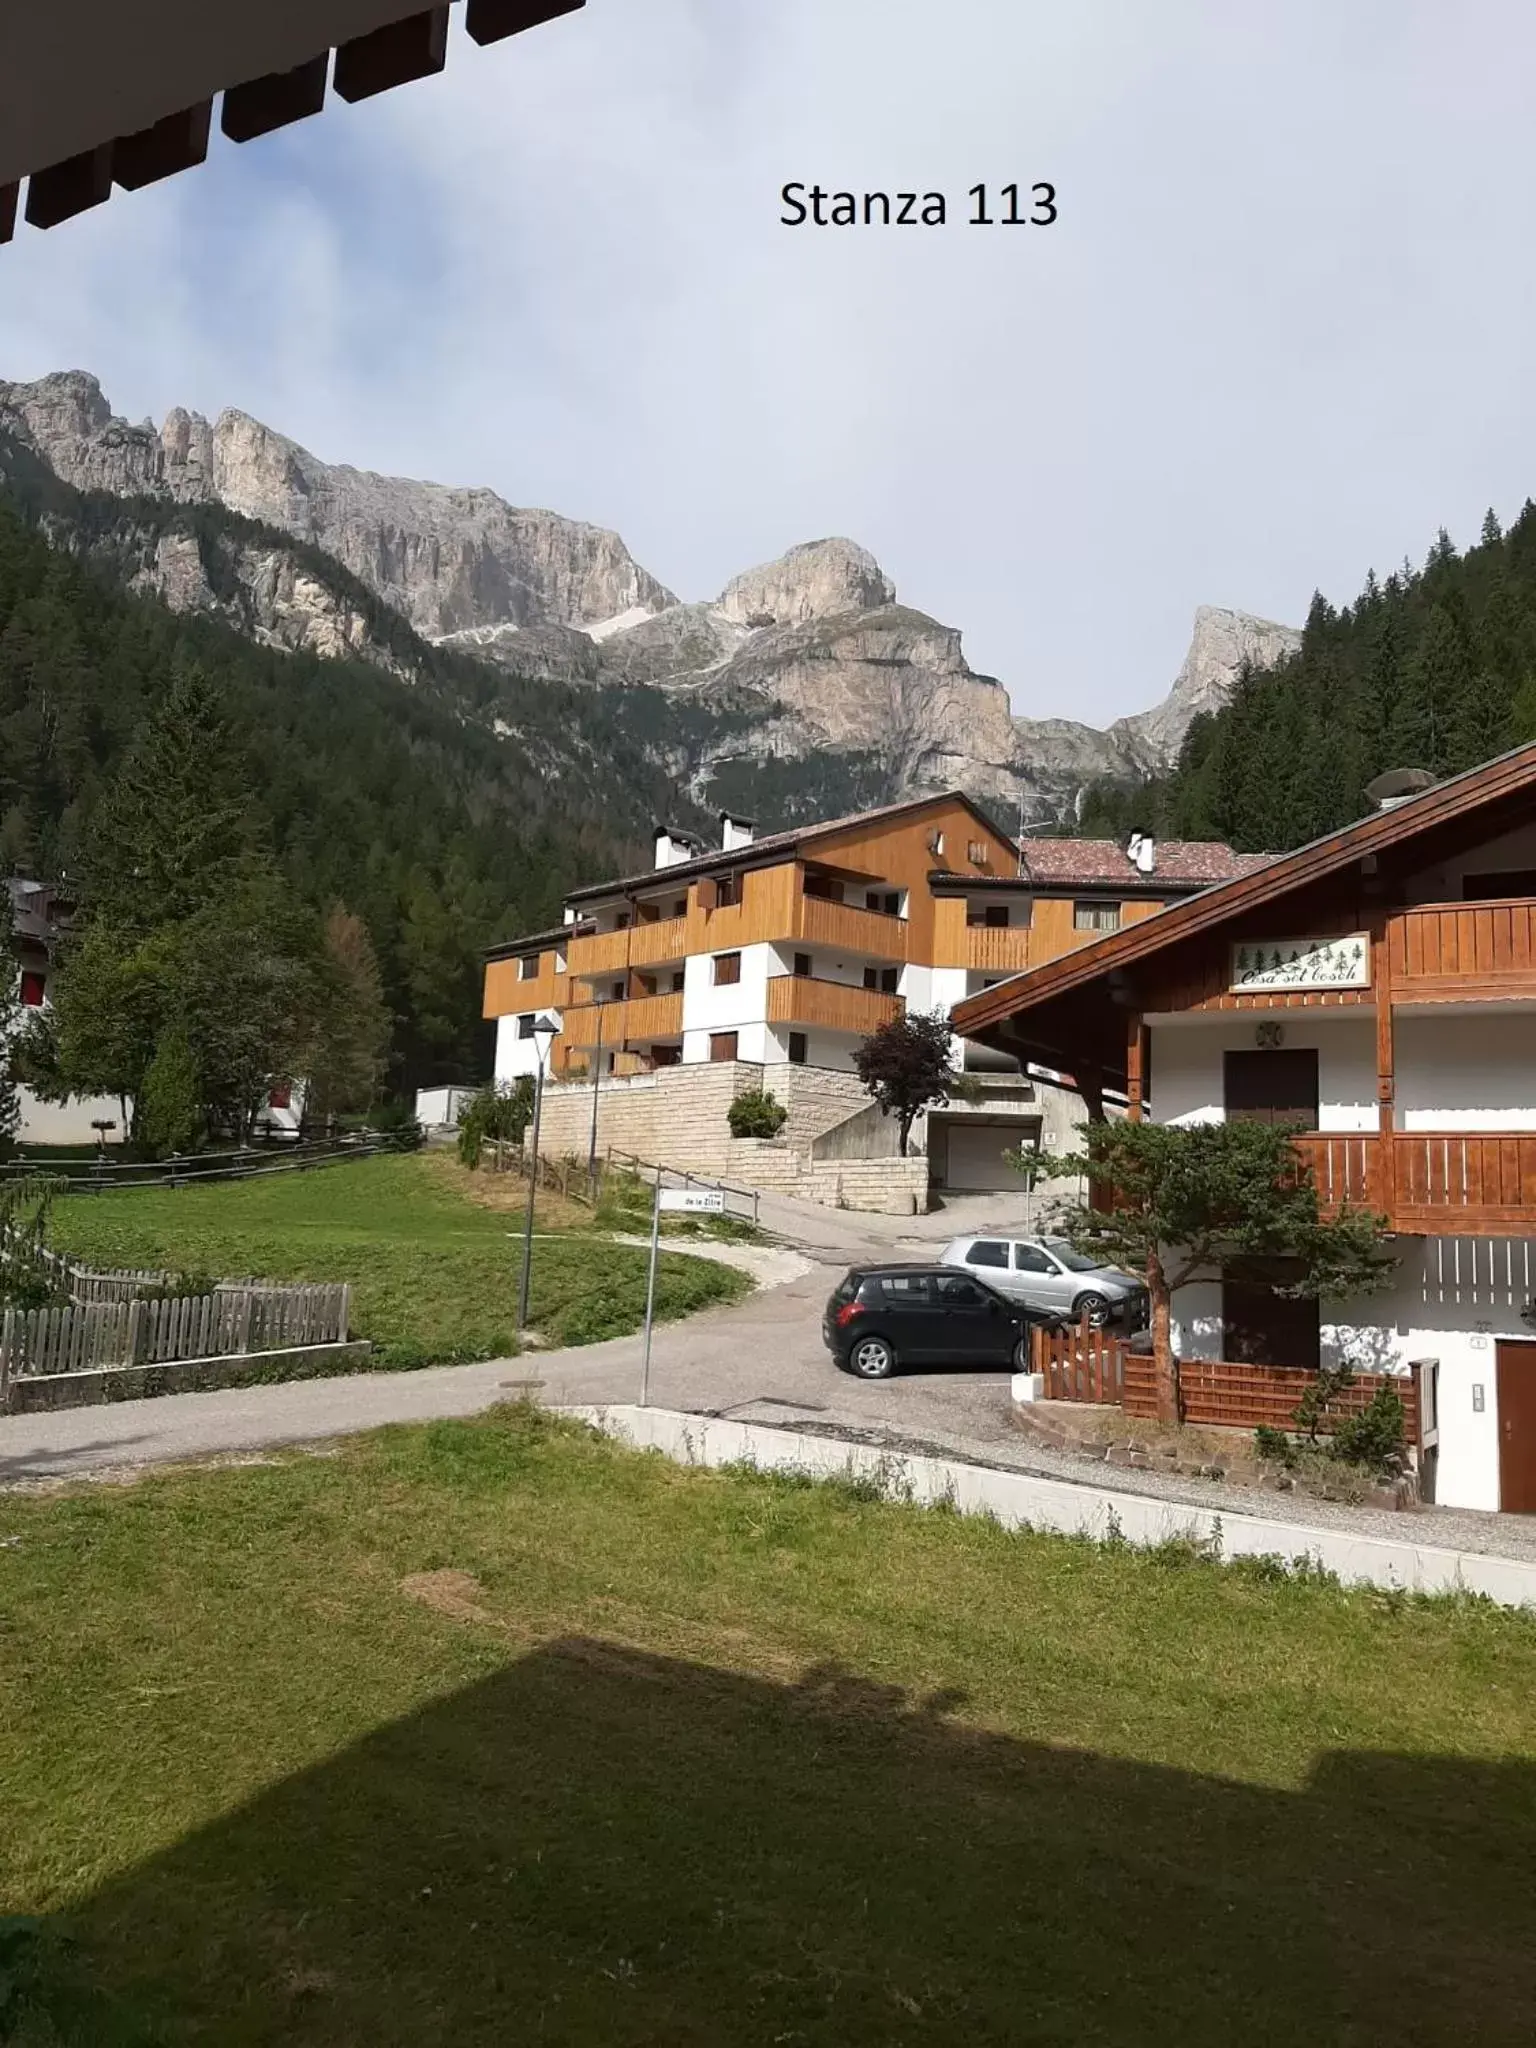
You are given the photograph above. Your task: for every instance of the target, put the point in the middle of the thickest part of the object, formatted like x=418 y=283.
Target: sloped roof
x=101 y=92
x=1104 y=863
x=774 y=845
x=1511 y=776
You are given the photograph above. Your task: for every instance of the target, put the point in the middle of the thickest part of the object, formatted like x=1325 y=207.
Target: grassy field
x=432 y=1253
x=493 y=1733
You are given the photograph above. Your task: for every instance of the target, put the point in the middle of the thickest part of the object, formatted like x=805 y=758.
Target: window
x=616 y=992
x=1272 y=1087
x=987 y=1251
x=680 y=907
x=621 y=922
x=890 y=980
x=1260 y=1327
x=666 y=1055
x=997 y=914
x=825 y=888
x=871 y=978
x=722 y=1045
x=907 y=1290
x=727 y=969
x=955 y=1291
x=803 y=965
x=976 y=854
x=936 y=845
x=886 y=901
x=797 y=1048
x=33 y=987
x=1096 y=917
x=280 y=1098
x=525 y=1026
x=1028 y=1258
x=725 y=891
x=678 y=978
x=528 y=967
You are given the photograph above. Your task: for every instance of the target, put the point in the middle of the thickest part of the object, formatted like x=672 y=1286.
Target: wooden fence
x=95 y=1176
x=1088 y=1365
x=233 y=1322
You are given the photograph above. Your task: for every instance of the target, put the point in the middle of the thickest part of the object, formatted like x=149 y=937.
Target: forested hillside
x=1432 y=668
x=446 y=810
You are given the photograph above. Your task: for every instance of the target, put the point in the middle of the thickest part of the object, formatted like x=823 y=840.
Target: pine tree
x=1492 y=532
x=346 y=1064
x=1436 y=679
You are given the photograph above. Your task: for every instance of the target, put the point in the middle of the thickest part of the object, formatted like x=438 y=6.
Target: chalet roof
x=506 y=949
x=774 y=846
x=1461 y=797
x=98 y=92
x=1105 y=863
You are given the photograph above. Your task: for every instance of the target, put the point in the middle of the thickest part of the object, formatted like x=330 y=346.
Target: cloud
x=1274 y=338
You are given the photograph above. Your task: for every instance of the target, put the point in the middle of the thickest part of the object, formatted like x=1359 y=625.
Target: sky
x=1278 y=334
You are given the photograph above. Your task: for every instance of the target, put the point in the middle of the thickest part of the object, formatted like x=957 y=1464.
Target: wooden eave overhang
x=97 y=93
x=1043 y=1012
x=536 y=942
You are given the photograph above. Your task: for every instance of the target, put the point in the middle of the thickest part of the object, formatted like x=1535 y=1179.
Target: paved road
x=762 y=1358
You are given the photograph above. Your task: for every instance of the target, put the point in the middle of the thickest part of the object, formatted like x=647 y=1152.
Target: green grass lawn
x=434 y=1273
x=495 y=1733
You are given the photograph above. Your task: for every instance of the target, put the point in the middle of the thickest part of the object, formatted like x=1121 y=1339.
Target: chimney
x=1141 y=852
x=735 y=831
x=1387 y=791
x=673 y=846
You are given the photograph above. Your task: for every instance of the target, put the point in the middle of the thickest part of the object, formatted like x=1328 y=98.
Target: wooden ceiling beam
x=178 y=143
x=394 y=55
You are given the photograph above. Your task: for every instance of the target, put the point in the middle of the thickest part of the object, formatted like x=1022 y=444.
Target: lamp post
x=597 y=1074
x=544 y=1030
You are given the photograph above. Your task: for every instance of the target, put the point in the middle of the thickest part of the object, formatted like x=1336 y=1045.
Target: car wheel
x=1023 y=1356
x=871 y=1359
x=1095 y=1307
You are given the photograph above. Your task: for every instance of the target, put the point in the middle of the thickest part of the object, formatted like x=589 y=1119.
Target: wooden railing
x=1477 y=1183
x=1458 y=951
x=640 y=1017
x=832 y=1005
x=997 y=946
x=823 y=923
x=599 y=953
x=1091 y=1366
x=665 y=939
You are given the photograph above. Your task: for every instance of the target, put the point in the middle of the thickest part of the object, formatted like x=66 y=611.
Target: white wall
x=1451 y=1300
x=1187 y=1084
x=1442 y=884
x=1465 y=1073
x=68 y=1123
x=741 y=1006
x=514 y=1055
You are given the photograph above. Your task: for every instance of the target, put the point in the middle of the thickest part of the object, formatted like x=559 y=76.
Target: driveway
x=761 y=1359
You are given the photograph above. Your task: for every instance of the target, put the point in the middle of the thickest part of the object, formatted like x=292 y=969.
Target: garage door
x=976 y=1151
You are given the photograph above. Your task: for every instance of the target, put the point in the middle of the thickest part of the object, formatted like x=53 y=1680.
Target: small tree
x=10 y=1103
x=756 y=1114
x=905 y=1067
x=1181 y=1200
x=498 y=1113
x=170 y=1108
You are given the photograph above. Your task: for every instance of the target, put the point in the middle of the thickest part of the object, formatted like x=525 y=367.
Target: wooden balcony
x=822 y=923
x=599 y=953
x=643 y=1018
x=1431 y=1183
x=802 y=1000
x=997 y=947
x=507 y=994
x=1463 y=952
x=666 y=939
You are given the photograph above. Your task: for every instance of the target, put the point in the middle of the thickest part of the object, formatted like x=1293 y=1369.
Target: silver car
x=1045 y=1272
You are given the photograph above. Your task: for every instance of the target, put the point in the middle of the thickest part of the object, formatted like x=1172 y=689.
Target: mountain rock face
x=799 y=658
x=445 y=559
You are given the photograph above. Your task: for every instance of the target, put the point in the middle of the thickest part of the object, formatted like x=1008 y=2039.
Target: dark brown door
x=722 y=1045
x=1260 y=1327
x=1273 y=1087
x=1517 y=1428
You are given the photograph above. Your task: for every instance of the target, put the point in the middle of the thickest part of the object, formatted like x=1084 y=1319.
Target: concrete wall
x=68 y=1123
x=739 y=1006
x=1452 y=1299
x=1465 y=1073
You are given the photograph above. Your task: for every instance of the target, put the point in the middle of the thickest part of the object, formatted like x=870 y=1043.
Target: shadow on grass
x=593 y=1846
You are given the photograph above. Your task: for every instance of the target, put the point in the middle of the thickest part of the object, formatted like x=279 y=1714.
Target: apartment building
x=40 y=918
x=786 y=950
x=1377 y=989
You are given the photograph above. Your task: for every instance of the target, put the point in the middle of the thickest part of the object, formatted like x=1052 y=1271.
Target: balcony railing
x=821 y=922
x=1427 y=1183
x=643 y=1017
x=993 y=946
x=1453 y=951
x=830 y=1005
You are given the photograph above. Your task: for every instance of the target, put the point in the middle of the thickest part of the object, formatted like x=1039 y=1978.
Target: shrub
x=1376 y=1437
x=170 y=1112
x=496 y=1113
x=1320 y=1395
x=757 y=1114
x=1274 y=1444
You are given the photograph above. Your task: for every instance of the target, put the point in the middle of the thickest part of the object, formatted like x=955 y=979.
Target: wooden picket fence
x=236 y=1320
x=1088 y=1365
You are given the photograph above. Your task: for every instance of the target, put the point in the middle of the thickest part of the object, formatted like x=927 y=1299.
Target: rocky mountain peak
x=1221 y=643
x=819 y=579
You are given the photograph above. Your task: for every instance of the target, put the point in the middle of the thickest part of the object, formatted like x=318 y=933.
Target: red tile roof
x=1104 y=863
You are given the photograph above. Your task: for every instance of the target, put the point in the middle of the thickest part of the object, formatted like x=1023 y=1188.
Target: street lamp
x=544 y=1030
x=597 y=1074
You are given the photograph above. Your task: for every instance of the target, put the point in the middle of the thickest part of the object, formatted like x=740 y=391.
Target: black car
x=880 y=1318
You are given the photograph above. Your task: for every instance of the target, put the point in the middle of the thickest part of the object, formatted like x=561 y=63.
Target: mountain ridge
x=810 y=653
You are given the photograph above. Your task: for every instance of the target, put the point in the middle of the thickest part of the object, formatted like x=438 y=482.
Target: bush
x=1274 y=1444
x=1376 y=1437
x=495 y=1114
x=757 y=1114
x=395 y=1121
x=170 y=1113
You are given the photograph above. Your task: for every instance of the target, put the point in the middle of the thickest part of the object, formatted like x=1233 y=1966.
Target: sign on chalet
x=1377 y=987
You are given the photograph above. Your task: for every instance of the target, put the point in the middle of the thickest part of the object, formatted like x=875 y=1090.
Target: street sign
x=695 y=1201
